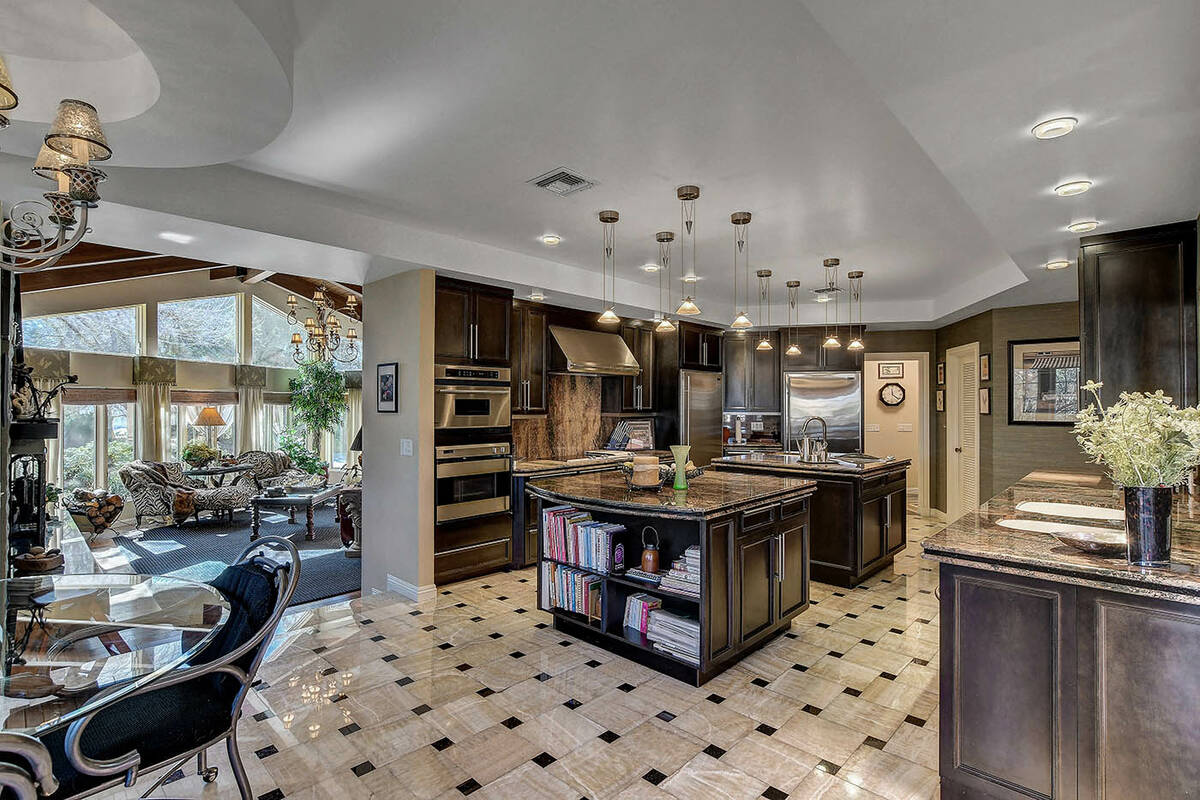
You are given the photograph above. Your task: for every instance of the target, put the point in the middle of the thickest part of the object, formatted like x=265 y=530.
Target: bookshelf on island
x=733 y=566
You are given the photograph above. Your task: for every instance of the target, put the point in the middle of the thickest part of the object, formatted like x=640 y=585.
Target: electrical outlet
x=406 y=447
x=872 y=427
x=756 y=426
x=904 y=427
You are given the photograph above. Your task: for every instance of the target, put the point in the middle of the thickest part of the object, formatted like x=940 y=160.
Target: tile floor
x=475 y=694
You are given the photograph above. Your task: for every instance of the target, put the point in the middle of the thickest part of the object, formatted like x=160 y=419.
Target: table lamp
x=209 y=418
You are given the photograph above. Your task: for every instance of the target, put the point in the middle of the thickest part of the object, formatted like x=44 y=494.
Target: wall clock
x=891 y=394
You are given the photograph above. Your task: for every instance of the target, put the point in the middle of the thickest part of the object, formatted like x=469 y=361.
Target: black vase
x=1148 y=525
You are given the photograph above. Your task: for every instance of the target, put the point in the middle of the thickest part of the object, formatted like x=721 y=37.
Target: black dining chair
x=178 y=716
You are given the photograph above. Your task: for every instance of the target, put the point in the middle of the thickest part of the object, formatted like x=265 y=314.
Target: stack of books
x=571 y=589
x=675 y=635
x=637 y=611
x=684 y=575
x=571 y=536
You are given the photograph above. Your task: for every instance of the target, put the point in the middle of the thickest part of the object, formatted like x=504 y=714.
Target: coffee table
x=306 y=499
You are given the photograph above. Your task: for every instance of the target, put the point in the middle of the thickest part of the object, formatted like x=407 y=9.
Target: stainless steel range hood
x=594 y=352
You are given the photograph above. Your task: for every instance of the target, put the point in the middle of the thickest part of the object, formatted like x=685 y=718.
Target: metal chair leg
x=235 y=762
x=207 y=773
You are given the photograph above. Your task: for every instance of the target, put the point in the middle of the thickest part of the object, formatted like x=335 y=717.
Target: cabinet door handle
x=782 y=559
x=528 y=394
x=887 y=514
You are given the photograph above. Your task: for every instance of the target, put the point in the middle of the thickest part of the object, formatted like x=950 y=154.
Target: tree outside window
x=107 y=330
x=200 y=329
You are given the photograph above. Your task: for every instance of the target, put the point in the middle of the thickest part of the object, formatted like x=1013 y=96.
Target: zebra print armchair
x=162 y=490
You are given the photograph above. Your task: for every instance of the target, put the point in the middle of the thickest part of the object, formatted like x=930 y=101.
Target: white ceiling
x=892 y=135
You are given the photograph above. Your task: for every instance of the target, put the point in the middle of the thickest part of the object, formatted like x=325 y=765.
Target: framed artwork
x=386 y=388
x=940 y=399
x=985 y=400
x=985 y=367
x=889 y=369
x=1043 y=387
x=941 y=373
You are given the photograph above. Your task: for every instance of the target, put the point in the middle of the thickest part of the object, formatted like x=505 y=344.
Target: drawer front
x=454 y=535
x=756 y=518
x=794 y=508
x=471 y=560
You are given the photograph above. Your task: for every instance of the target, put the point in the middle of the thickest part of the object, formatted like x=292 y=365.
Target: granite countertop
x=707 y=495
x=534 y=466
x=793 y=462
x=987 y=538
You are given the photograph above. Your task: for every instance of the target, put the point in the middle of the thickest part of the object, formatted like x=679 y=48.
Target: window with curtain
x=107 y=330
x=183 y=428
x=200 y=329
x=276 y=417
x=338 y=445
x=79 y=447
x=91 y=428
x=270 y=335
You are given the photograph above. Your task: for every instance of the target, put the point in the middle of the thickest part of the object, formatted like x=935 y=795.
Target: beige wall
x=889 y=440
x=398 y=489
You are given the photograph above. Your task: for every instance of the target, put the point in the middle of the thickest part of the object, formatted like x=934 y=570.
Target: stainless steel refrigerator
x=701 y=398
x=836 y=397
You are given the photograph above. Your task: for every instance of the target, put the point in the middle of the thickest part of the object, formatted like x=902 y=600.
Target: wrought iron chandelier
x=37 y=234
x=325 y=341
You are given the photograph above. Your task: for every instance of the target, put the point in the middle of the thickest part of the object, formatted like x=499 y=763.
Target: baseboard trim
x=419 y=594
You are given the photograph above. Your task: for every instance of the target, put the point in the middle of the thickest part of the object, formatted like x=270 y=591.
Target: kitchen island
x=751 y=536
x=1065 y=674
x=859 y=516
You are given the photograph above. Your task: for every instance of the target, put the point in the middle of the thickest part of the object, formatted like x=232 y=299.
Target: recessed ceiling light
x=1060 y=263
x=551 y=239
x=1072 y=188
x=1054 y=128
x=1084 y=226
x=178 y=238
x=537 y=295
x=650 y=267
x=822 y=298
x=690 y=278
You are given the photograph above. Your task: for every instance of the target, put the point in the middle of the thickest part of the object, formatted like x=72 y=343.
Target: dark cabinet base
x=1054 y=690
x=472 y=547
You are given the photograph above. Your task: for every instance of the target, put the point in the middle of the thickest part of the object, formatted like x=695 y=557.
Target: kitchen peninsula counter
x=1065 y=674
x=751 y=535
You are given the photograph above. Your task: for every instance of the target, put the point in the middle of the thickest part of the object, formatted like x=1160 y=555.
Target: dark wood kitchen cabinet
x=471 y=323
x=699 y=347
x=758 y=598
x=530 y=323
x=813 y=356
x=1137 y=310
x=634 y=392
x=751 y=375
x=772 y=566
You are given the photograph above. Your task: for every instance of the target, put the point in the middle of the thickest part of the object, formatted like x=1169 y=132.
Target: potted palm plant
x=1148 y=447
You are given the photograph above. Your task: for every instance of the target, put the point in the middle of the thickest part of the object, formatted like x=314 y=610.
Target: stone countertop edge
x=637 y=501
x=815 y=468
x=977 y=541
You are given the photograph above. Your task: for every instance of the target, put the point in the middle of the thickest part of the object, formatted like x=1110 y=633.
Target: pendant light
x=741 y=252
x=854 y=277
x=608 y=222
x=793 y=295
x=687 y=216
x=828 y=294
x=664 y=239
x=764 y=294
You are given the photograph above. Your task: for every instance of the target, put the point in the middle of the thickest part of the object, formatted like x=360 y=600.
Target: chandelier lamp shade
x=688 y=194
x=664 y=239
x=608 y=267
x=37 y=233
x=323 y=339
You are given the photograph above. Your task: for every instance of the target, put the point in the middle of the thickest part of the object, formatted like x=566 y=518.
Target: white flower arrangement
x=1142 y=439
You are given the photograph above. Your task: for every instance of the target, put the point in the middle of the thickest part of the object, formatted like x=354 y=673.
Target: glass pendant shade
x=609 y=317
x=832 y=342
x=664 y=326
x=741 y=321
x=78 y=121
x=688 y=307
x=8 y=98
x=855 y=344
x=764 y=344
x=793 y=349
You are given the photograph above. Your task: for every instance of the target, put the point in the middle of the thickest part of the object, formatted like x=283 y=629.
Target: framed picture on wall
x=940 y=398
x=985 y=400
x=891 y=370
x=941 y=373
x=985 y=367
x=1043 y=386
x=386 y=388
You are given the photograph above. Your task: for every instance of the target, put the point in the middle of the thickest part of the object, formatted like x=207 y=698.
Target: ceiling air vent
x=562 y=182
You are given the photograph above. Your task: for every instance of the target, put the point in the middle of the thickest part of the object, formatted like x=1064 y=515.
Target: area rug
x=200 y=550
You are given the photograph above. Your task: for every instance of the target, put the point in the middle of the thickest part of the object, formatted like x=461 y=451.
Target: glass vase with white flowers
x=1148 y=447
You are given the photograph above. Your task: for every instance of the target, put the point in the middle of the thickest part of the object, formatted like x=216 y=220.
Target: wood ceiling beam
x=108 y=273
x=88 y=253
x=219 y=273
x=303 y=288
x=259 y=276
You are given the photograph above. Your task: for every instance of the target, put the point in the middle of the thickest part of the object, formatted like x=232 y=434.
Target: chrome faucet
x=810 y=449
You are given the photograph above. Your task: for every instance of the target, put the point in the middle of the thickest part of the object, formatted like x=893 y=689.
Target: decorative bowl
x=1097 y=543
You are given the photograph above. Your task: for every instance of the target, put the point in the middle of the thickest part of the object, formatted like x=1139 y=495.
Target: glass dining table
x=67 y=639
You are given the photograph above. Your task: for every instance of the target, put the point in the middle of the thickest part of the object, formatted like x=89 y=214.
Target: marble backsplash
x=572 y=424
